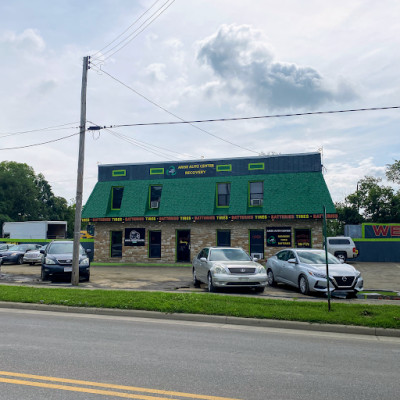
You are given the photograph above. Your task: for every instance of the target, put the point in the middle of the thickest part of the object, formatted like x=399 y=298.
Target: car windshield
x=228 y=255
x=18 y=247
x=63 y=248
x=316 y=257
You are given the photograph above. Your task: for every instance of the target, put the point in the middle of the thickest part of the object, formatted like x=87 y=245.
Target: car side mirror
x=42 y=251
x=292 y=261
x=203 y=259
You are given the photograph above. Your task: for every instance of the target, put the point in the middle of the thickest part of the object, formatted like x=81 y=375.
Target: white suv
x=342 y=247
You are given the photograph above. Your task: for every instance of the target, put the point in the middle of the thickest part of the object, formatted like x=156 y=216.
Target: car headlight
x=317 y=274
x=85 y=261
x=260 y=270
x=13 y=254
x=358 y=274
x=219 y=269
x=48 y=260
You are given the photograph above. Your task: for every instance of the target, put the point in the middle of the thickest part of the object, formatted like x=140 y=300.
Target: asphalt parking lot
x=377 y=276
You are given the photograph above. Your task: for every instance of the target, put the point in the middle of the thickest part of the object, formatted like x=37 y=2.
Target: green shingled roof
x=290 y=193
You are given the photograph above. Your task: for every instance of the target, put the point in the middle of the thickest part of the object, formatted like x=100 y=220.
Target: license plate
x=67 y=269
x=243 y=279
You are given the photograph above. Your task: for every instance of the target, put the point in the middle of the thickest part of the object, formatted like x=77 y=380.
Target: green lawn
x=384 y=316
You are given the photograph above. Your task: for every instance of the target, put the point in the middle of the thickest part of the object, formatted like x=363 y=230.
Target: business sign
x=134 y=237
x=251 y=217
x=279 y=237
x=382 y=231
x=190 y=170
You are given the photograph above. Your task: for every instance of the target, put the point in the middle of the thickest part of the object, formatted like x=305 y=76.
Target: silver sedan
x=305 y=269
x=221 y=267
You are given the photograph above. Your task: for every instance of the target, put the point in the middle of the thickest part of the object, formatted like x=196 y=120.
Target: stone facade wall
x=202 y=234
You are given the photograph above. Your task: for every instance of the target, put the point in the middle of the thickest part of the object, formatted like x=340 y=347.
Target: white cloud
x=241 y=56
x=156 y=71
x=29 y=40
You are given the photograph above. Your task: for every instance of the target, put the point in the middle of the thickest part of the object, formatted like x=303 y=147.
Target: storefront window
x=224 y=238
x=257 y=243
x=155 y=244
x=116 y=244
x=302 y=237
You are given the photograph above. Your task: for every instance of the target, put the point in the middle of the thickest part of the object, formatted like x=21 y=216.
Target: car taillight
x=354 y=250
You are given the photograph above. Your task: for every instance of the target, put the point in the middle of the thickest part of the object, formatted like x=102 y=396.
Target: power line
x=138 y=142
x=176 y=116
x=39 y=144
x=249 y=118
x=145 y=146
x=124 y=42
x=127 y=29
x=50 y=128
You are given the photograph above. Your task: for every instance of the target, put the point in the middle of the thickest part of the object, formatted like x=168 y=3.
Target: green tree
x=378 y=203
x=25 y=196
x=393 y=171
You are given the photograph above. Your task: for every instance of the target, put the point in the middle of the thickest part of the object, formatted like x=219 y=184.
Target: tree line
x=26 y=196
x=371 y=202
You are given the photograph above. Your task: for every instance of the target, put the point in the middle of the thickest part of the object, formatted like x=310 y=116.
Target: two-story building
x=167 y=212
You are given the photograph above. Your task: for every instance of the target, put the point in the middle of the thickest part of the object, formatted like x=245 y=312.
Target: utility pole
x=79 y=182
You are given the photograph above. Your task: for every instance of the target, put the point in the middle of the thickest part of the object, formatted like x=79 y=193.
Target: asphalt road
x=40 y=350
x=377 y=276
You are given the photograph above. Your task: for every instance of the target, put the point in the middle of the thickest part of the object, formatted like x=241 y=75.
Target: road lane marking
x=101 y=385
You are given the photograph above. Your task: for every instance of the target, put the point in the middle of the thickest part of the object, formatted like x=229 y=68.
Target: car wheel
x=211 y=287
x=20 y=260
x=270 y=278
x=341 y=256
x=86 y=277
x=196 y=282
x=303 y=285
x=44 y=275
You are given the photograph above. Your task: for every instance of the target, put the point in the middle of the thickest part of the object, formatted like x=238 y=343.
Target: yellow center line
x=102 y=385
x=80 y=389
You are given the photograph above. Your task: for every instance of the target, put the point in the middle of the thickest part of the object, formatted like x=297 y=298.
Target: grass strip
x=383 y=316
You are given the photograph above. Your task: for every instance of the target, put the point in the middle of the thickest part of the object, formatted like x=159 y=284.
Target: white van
x=342 y=247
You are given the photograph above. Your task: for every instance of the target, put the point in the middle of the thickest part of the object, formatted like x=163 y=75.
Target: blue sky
x=202 y=60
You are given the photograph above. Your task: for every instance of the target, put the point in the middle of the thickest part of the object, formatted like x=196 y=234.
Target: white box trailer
x=35 y=230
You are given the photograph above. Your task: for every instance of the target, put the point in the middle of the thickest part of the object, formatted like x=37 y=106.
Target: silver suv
x=342 y=247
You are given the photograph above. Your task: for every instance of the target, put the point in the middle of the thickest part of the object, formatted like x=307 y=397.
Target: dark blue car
x=57 y=260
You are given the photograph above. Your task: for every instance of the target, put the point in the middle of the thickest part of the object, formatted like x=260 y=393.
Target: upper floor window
x=223 y=194
x=116 y=197
x=256 y=193
x=155 y=196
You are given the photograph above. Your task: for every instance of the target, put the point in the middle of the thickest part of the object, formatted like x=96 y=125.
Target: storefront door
x=183 y=246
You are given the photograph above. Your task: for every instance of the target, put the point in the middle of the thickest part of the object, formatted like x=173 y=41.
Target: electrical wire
x=136 y=141
x=127 y=29
x=250 y=118
x=176 y=116
x=123 y=43
x=50 y=128
x=39 y=144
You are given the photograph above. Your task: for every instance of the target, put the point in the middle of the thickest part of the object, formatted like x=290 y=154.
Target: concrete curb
x=215 y=319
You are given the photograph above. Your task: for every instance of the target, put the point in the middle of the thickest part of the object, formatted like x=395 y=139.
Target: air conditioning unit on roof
x=155 y=204
x=256 y=202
